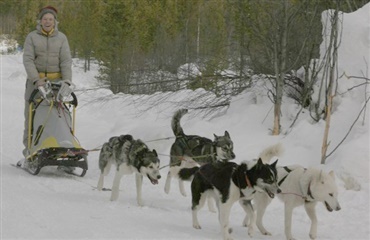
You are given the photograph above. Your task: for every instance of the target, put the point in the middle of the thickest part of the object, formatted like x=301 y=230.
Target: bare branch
x=356 y=77
x=350 y=129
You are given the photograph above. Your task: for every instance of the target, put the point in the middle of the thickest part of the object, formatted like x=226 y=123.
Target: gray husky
x=189 y=152
x=300 y=186
x=130 y=156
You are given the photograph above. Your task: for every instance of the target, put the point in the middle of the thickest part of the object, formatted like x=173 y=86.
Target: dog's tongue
x=154 y=181
x=271 y=195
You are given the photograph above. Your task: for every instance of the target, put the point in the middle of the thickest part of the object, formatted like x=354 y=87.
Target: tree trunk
x=280 y=68
x=325 y=143
x=278 y=103
x=332 y=71
x=198 y=34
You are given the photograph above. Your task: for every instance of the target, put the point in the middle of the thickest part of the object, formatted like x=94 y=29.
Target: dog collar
x=249 y=185
x=248 y=181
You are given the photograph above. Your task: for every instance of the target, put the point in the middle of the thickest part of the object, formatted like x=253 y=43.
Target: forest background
x=149 y=46
x=141 y=44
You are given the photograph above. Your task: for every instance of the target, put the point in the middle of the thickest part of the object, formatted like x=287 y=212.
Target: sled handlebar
x=73 y=102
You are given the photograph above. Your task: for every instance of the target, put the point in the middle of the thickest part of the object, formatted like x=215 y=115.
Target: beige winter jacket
x=47 y=54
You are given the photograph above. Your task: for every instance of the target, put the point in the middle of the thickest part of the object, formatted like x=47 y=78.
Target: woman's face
x=47 y=22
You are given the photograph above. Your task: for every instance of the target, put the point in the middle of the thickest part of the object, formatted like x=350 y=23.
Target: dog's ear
x=259 y=163
x=227 y=134
x=215 y=136
x=155 y=152
x=274 y=164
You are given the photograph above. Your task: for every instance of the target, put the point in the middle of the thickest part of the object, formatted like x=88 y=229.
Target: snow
x=53 y=205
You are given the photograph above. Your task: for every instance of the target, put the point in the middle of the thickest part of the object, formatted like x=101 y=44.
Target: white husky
x=300 y=186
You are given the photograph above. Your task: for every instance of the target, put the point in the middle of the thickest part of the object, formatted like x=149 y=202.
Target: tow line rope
x=296 y=194
x=98 y=148
x=159 y=139
x=182 y=158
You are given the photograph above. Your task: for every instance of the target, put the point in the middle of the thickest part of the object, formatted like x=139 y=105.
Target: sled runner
x=51 y=128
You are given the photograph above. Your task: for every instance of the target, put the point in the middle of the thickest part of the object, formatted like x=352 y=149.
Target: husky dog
x=188 y=152
x=300 y=186
x=228 y=182
x=129 y=156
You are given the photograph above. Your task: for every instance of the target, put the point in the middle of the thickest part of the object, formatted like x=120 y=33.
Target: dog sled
x=51 y=131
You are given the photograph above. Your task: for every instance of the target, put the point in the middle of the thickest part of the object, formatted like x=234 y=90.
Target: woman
x=46 y=57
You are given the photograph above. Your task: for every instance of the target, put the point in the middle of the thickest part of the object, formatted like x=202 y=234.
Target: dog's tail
x=187 y=173
x=276 y=150
x=175 y=124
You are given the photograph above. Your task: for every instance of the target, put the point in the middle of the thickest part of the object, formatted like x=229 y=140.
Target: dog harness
x=282 y=180
x=184 y=143
x=309 y=193
x=304 y=196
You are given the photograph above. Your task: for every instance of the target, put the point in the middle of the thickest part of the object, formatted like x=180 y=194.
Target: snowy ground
x=53 y=205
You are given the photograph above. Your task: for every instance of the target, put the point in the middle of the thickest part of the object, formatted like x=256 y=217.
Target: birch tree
x=330 y=77
x=269 y=38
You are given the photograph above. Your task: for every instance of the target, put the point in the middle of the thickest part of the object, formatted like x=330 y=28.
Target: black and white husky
x=189 y=152
x=228 y=182
x=130 y=156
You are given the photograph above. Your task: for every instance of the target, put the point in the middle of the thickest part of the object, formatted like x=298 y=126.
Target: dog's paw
x=226 y=233
x=250 y=231
x=313 y=236
x=140 y=203
x=114 y=195
x=244 y=224
x=266 y=233
x=197 y=226
x=228 y=237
